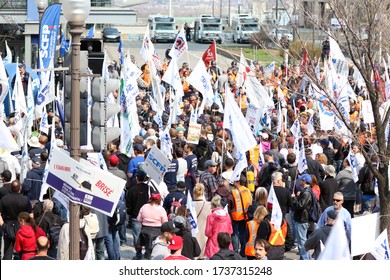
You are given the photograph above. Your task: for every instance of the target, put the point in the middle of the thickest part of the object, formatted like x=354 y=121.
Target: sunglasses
x=337 y=200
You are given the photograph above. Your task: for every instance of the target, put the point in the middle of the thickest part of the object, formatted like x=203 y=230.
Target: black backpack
x=315 y=211
x=228 y=256
x=53 y=233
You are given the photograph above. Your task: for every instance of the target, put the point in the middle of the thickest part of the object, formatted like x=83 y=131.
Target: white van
x=208 y=29
x=244 y=26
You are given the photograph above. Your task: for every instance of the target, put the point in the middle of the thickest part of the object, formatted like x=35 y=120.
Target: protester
x=224 y=244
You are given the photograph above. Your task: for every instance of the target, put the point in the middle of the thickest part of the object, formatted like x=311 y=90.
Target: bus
x=244 y=26
x=162 y=28
x=208 y=29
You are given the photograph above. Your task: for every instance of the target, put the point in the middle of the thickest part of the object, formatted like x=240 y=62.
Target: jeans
x=112 y=244
x=136 y=229
x=293 y=227
x=122 y=233
x=99 y=248
x=8 y=248
x=238 y=237
x=301 y=231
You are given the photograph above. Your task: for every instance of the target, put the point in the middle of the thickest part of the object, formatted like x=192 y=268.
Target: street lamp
x=41 y=5
x=75 y=11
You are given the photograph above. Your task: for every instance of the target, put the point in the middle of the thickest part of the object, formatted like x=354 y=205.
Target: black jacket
x=302 y=205
x=313 y=242
x=315 y=168
x=226 y=254
x=328 y=187
x=136 y=197
x=191 y=248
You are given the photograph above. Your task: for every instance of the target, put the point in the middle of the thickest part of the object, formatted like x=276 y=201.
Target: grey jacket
x=160 y=249
x=347 y=185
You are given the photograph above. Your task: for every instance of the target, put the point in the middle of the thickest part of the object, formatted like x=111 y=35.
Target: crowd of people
x=233 y=216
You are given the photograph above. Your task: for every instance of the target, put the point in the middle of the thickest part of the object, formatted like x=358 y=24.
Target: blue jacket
x=33 y=183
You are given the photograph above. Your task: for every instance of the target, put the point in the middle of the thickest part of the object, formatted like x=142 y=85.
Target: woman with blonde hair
x=251 y=231
x=218 y=221
x=261 y=196
x=203 y=209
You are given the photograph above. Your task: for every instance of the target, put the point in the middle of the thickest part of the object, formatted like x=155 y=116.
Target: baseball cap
x=114 y=160
x=169 y=227
x=175 y=243
x=332 y=214
x=210 y=163
x=138 y=147
x=155 y=196
x=305 y=177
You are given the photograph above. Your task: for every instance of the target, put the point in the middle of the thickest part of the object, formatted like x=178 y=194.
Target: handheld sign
x=84 y=183
x=156 y=164
x=194 y=133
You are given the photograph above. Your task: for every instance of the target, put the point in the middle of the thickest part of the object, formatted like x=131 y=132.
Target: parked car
x=111 y=34
x=281 y=32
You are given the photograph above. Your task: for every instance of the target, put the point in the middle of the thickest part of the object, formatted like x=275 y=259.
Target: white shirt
x=181 y=172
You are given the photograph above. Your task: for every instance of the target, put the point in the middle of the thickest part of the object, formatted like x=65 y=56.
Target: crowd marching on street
x=254 y=150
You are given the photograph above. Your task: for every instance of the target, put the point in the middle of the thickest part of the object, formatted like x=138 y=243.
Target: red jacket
x=26 y=239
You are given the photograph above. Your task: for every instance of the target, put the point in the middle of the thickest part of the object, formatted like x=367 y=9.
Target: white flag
x=240 y=165
x=8 y=58
x=172 y=77
x=7 y=143
x=353 y=164
x=105 y=74
x=337 y=245
x=269 y=69
x=44 y=124
x=18 y=93
x=200 y=79
x=235 y=121
x=193 y=215
x=381 y=247
x=302 y=163
x=179 y=46
x=254 y=90
x=148 y=51
x=277 y=215
x=165 y=142
x=158 y=98
x=310 y=126
x=280 y=119
x=296 y=129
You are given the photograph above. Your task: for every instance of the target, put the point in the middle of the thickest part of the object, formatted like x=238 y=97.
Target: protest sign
x=84 y=183
x=156 y=164
x=193 y=133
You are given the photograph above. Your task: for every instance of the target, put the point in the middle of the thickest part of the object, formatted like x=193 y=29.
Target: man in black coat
x=224 y=240
x=320 y=235
x=328 y=187
x=314 y=167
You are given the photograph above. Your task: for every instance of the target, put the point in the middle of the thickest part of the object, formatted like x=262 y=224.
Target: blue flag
x=91 y=32
x=48 y=32
x=120 y=51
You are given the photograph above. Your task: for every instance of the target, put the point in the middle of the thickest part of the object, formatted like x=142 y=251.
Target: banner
x=156 y=164
x=84 y=184
x=364 y=233
x=48 y=32
x=193 y=134
x=381 y=248
x=179 y=46
x=368 y=115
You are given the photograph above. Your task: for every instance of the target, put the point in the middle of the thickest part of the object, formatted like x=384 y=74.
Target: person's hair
x=291 y=158
x=191 y=147
x=347 y=162
x=216 y=201
x=274 y=145
x=314 y=180
x=322 y=158
x=43 y=139
x=198 y=190
x=48 y=205
x=182 y=211
x=276 y=176
x=84 y=211
x=7 y=176
x=42 y=247
x=28 y=220
x=15 y=186
x=44 y=156
x=138 y=139
x=224 y=239
x=179 y=152
x=242 y=180
x=264 y=243
x=260 y=212
x=173 y=132
x=219 y=146
x=261 y=195
x=229 y=162
x=339 y=194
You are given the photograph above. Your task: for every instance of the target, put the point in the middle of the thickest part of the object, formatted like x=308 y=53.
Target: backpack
x=175 y=205
x=250 y=180
x=119 y=217
x=315 y=211
x=53 y=233
x=3 y=165
x=83 y=243
x=368 y=183
x=93 y=224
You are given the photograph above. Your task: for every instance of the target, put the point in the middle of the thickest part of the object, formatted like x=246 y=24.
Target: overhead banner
x=84 y=183
x=156 y=164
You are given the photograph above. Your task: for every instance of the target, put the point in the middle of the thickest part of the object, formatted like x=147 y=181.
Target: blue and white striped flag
x=91 y=32
x=193 y=215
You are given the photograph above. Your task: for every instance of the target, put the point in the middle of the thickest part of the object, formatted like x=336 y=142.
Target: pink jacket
x=218 y=221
